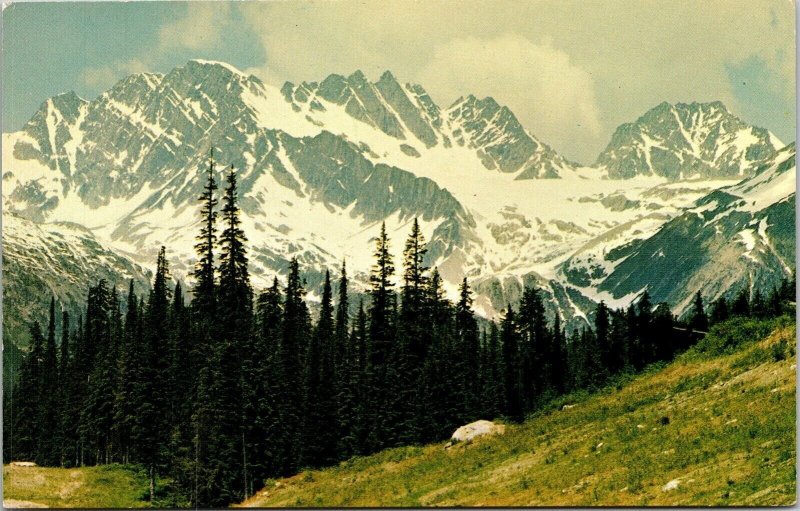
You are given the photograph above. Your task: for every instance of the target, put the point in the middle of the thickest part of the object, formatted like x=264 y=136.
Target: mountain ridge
x=497 y=205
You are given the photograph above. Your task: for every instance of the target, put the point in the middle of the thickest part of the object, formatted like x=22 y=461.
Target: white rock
x=672 y=485
x=476 y=429
x=23 y=464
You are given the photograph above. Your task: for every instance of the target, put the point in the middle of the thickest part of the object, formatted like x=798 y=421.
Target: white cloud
x=103 y=77
x=554 y=97
x=200 y=29
x=633 y=54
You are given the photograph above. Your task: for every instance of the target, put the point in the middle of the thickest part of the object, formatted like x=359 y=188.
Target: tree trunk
x=152 y=484
x=244 y=465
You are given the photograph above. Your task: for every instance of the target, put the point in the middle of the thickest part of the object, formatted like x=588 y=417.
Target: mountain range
x=687 y=198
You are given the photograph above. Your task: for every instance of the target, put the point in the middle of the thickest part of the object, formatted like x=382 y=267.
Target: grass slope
x=714 y=427
x=104 y=486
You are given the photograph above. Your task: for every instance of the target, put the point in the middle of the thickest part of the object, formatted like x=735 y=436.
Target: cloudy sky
x=572 y=71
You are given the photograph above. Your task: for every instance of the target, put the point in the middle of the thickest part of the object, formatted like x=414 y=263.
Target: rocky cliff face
x=687 y=140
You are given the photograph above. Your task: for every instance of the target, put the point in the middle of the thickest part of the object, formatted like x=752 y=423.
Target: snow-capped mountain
x=321 y=165
x=407 y=113
x=687 y=140
x=738 y=236
x=57 y=259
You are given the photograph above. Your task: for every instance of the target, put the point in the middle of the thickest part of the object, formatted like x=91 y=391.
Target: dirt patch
x=13 y=503
x=69 y=489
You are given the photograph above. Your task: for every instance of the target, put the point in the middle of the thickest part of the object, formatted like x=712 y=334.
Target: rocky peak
x=687 y=140
x=500 y=139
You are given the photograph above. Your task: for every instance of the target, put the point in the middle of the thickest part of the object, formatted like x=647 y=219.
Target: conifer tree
x=408 y=349
x=644 y=320
x=342 y=325
x=347 y=373
x=320 y=435
x=440 y=401
x=741 y=304
x=204 y=349
x=97 y=413
x=180 y=455
x=558 y=356
x=235 y=374
x=152 y=428
x=619 y=356
x=48 y=451
x=130 y=374
x=381 y=330
x=535 y=350
x=65 y=437
x=494 y=384
x=381 y=320
x=602 y=330
x=296 y=326
x=512 y=367
x=698 y=320
x=26 y=399
x=758 y=307
x=270 y=442
x=204 y=301
x=359 y=340
x=467 y=352
x=719 y=311
x=667 y=342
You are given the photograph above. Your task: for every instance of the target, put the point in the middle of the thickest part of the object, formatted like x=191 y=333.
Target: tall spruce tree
x=296 y=325
x=359 y=346
x=381 y=329
x=234 y=317
x=26 y=401
x=741 y=304
x=152 y=428
x=204 y=349
x=698 y=320
x=204 y=292
x=65 y=437
x=512 y=367
x=130 y=374
x=48 y=451
x=320 y=435
x=344 y=362
x=534 y=348
x=719 y=311
x=97 y=414
x=408 y=350
x=644 y=328
x=467 y=352
x=493 y=396
x=270 y=440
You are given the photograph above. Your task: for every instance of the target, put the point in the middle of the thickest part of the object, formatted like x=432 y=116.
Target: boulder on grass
x=475 y=429
x=23 y=464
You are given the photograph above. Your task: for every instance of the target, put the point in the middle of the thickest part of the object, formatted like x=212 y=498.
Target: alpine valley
x=686 y=198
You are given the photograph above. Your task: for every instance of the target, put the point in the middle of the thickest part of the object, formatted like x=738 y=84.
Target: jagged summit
x=217 y=64
x=687 y=140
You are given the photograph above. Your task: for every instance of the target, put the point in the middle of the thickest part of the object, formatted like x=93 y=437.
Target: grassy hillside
x=105 y=486
x=715 y=427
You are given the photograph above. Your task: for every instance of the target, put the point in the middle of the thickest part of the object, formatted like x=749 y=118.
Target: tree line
x=214 y=396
